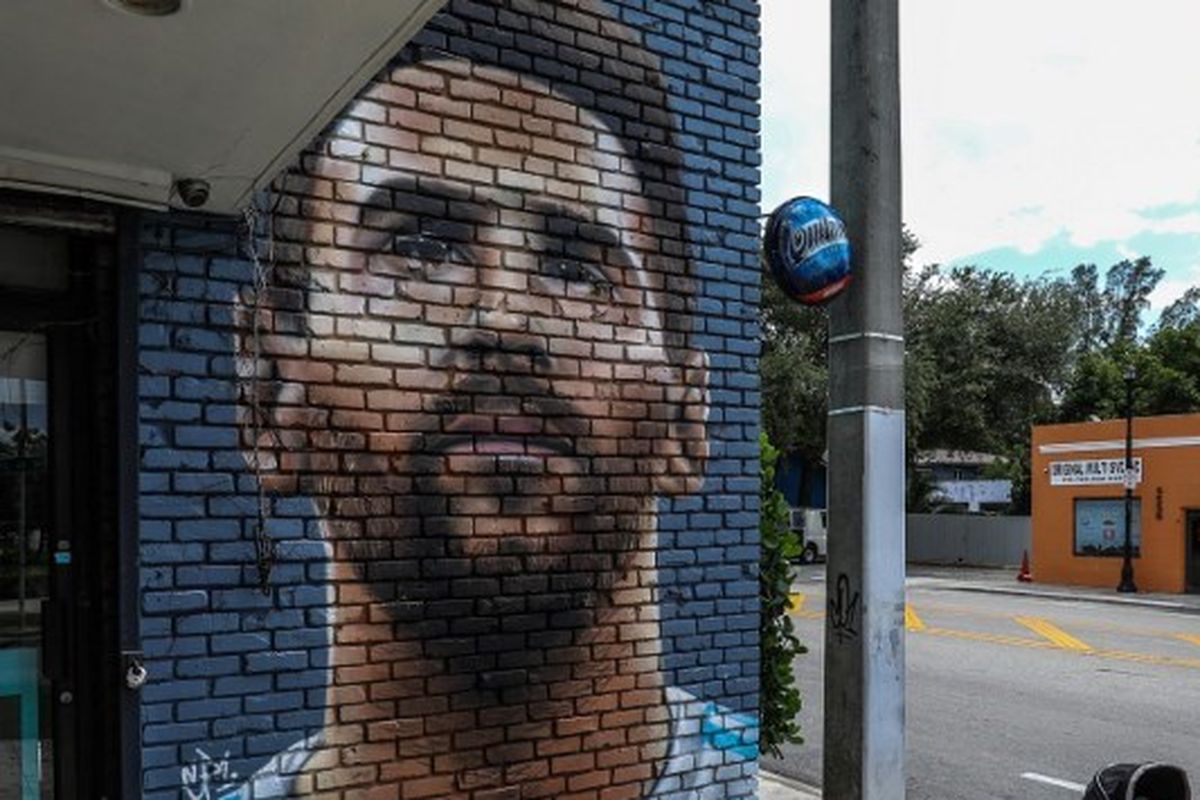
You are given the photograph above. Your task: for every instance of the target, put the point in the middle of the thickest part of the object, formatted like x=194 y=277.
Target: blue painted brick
x=273 y=619
x=177 y=732
x=222 y=414
x=240 y=642
x=207 y=575
x=156 y=578
x=171 y=506
x=206 y=436
x=277 y=661
x=243 y=724
x=235 y=599
x=209 y=667
x=206 y=623
x=159 y=757
x=169 y=458
x=208 y=530
x=202 y=340
x=276 y=701
x=174 y=690
x=177 y=647
x=241 y=685
x=307 y=679
x=203 y=482
x=307 y=718
x=149 y=482
x=209 y=708
x=191 y=600
x=173 y=363
x=302 y=638
x=189 y=388
x=270 y=743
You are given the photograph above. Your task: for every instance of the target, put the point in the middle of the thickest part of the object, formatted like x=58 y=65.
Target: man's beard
x=500 y=563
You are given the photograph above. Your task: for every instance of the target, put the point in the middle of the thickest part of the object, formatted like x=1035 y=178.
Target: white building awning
x=100 y=101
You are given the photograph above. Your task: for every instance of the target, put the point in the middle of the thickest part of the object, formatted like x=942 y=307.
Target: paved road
x=1002 y=686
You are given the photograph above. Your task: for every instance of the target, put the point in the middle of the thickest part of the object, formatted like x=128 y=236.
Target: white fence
x=967 y=539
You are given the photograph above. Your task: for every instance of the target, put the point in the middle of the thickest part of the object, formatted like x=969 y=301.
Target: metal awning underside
x=101 y=102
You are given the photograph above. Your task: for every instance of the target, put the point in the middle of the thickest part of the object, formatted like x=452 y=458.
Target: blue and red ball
x=807 y=251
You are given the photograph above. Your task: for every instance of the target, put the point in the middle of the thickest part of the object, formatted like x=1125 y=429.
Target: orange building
x=1078 y=503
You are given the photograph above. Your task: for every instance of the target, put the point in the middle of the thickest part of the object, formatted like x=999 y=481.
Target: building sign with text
x=1092 y=472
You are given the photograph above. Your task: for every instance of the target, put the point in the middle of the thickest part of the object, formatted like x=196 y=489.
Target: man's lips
x=506 y=445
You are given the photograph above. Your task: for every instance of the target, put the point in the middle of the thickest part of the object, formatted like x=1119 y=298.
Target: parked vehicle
x=1149 y=781
x=811 y=523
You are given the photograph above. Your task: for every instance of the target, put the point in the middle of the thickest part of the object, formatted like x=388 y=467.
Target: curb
x=1162 y=605
x=772 y=786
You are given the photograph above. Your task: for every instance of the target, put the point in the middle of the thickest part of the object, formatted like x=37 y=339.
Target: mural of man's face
x=484 y=407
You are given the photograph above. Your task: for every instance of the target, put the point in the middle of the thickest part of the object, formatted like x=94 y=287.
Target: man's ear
x=263 y=409
x=686 y=445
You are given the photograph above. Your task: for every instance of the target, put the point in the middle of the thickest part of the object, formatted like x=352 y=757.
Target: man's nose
x=498 y=313
x=491 y=309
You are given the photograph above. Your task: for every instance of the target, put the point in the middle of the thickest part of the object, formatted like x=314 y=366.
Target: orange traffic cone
x=1025 y=576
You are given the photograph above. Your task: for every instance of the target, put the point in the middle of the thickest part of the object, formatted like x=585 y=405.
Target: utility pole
x=864 y=631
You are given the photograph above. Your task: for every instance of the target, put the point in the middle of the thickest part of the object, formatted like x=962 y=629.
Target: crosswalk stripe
x=911 y=621
x=1053 y=633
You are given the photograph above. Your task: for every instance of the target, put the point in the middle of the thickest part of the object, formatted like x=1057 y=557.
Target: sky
x=1037 y=134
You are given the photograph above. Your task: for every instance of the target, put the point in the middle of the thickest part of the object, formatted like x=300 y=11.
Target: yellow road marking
x=1053 y=638
x=1038 y=644
x=1055 y=634
x=993 y=638
x=911 y=621
x=1141 y=658
x=1102 y=627
x=797 y=600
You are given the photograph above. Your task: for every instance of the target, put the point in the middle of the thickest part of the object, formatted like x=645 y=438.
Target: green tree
x=1127 y=292
x=780 y=701
x=1167 y=370
x=1182 y=313
x=992 y=352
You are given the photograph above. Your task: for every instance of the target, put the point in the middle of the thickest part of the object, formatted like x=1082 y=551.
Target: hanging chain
x=264 y=546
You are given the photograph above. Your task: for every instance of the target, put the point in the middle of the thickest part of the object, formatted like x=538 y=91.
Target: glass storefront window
x=25 y=772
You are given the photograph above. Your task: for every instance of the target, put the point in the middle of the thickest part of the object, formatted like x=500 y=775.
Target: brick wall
x=484 y=413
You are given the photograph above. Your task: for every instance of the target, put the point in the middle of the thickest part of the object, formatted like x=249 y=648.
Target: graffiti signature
x=843 y=611
x=208 y=778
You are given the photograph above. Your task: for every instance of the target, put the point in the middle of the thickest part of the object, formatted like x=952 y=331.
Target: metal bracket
x=135 y=671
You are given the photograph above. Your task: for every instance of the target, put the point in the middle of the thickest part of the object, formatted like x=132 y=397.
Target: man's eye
x=578 y=272
x=431 y=250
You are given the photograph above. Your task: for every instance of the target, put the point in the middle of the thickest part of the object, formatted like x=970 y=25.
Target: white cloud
x=1022 y=120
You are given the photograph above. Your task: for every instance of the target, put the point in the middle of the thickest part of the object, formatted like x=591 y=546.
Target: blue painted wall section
x=249 y=694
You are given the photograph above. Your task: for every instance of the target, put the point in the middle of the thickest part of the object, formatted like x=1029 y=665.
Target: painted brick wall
x=499 y=424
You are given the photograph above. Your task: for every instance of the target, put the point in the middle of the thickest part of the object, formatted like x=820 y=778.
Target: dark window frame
x=91 y=331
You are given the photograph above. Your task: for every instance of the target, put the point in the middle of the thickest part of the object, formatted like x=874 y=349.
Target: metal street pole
x=864 y=632
x=1127 y=585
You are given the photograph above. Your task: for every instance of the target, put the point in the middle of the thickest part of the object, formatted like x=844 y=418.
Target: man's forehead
x=411 y=179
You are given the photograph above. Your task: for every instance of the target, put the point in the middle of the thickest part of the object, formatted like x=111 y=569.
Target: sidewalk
x=1003 y=581
x=778 y=787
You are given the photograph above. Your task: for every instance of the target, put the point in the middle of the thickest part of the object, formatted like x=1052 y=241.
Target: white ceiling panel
x=98 y=101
